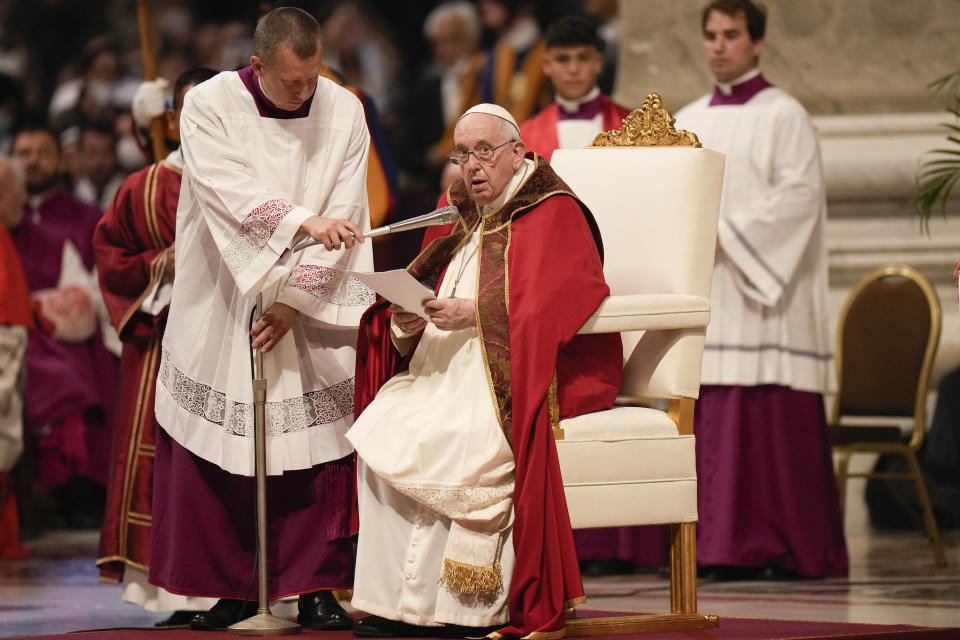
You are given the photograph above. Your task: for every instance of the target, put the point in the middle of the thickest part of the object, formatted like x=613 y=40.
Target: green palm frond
x=939 y=175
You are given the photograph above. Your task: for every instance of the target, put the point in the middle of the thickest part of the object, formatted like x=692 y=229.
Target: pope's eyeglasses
x=482 y=151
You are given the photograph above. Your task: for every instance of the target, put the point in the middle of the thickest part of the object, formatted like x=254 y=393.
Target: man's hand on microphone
x=272 y=326
x=452 y=314
x=332 y=232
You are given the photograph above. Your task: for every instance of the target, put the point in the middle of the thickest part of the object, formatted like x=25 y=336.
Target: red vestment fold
x=541 y=277
x=15 y=310
x=129 y=243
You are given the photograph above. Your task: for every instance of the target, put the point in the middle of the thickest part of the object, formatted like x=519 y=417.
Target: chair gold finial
x=649 y=126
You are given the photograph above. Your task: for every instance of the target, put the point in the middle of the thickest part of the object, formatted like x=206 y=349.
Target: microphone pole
x=264 y=623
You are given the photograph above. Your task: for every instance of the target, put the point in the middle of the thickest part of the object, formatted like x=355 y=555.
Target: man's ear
x=519 y=150
x=257 y=65
x=546 y=64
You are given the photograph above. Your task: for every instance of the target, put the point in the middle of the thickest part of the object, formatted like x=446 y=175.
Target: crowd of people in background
x=77 y=65
x=69 y=78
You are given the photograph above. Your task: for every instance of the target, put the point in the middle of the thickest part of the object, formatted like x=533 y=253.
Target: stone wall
x=835 y=56
x=861 y=67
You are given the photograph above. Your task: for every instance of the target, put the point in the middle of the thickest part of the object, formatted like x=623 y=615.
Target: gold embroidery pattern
x=456 y=502
x=471 y=579
x=492 y=295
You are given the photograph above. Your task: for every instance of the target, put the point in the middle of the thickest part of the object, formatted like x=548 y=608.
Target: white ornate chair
x=656 y=204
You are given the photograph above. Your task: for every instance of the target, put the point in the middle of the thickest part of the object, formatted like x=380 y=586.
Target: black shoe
x=177 y=619
x=320 y=611
x=377 y=627
x=223 y=614
x=458 y=631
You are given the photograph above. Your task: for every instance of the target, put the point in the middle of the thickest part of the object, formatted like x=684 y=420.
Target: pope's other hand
x=452 y=314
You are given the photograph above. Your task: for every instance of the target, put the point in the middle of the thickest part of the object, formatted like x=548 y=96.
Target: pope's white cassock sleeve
x=769 y=320
x=249 y=182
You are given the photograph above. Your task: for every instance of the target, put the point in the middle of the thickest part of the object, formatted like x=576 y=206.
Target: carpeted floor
x=730 y=628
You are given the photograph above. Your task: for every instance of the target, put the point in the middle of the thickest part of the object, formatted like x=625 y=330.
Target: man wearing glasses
x=457 y=465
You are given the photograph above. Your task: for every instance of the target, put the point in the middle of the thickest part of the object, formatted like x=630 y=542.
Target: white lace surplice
x=248 y=183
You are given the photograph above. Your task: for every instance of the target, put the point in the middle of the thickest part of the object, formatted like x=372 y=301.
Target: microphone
x=443 y=215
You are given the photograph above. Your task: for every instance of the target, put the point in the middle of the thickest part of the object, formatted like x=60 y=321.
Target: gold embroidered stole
x=493 y=290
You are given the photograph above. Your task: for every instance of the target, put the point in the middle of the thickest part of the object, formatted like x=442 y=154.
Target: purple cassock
x=70 y=387
x=203 y=535
x=754 y=513
x=753 y=443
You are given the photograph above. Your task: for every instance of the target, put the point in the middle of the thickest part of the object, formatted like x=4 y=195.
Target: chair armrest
x=649 y=311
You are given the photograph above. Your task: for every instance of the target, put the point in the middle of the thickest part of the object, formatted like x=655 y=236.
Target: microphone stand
x=264 y=623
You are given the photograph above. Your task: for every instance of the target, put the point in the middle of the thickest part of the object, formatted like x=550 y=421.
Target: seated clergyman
x=463 y=521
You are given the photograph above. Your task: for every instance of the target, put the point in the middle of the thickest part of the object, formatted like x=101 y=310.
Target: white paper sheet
x=400 y=288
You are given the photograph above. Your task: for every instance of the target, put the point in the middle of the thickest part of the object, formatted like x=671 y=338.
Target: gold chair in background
x=887 y=337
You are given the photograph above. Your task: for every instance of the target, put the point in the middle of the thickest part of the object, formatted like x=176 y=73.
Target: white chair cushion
x=627 y=466
x=649 y=311
x=619 y=423
x=627 y=505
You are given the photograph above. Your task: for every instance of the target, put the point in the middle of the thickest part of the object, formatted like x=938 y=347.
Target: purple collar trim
x=741 y=93
x=264 y=106
x=585 y=110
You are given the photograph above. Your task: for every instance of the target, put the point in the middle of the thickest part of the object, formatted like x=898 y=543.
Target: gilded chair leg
x=676 y=570
x=933 y=532
x=688 y=549
x=843 y=464
x=683 y=567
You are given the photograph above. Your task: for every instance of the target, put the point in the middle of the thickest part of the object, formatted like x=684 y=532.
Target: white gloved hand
x=148 y=102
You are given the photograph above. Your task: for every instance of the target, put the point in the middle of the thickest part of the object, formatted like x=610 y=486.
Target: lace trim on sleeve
x=254 y=233
x=330 y=285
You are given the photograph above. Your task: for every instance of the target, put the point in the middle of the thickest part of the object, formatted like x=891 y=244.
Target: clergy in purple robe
x=767 y=492
x=71 y=378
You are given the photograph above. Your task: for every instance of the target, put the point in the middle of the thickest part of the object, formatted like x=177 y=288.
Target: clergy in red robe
x=573 y=62
x=134 y=244
x=463 y=521
x=71 y=378
x=16 y=319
